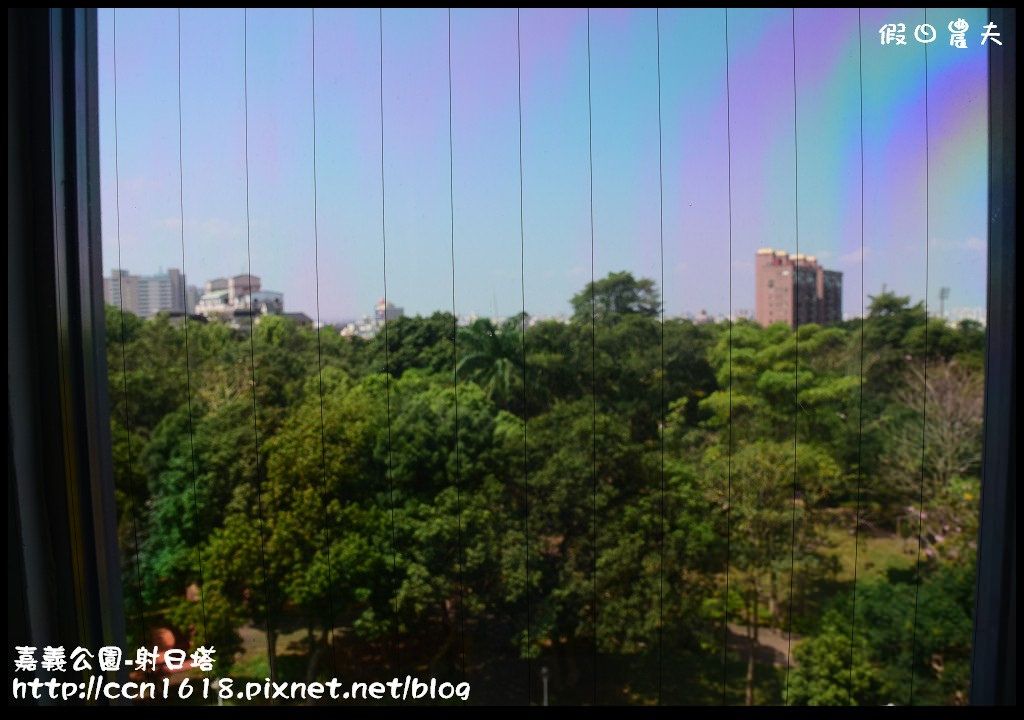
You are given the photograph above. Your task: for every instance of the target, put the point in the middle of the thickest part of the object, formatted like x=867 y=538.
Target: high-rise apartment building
x=121 y=290
x=795 y=289
x=146 y=295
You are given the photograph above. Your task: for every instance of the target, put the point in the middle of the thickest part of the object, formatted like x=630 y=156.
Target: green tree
x=771 y=498
x=928 y=650
x=492 y=357
x=829 y=672
x=614 y=296
x=414 y=342
x=364 y=506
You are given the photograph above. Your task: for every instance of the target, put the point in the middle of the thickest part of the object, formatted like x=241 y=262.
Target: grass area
x=878 y=554
x=879 y=557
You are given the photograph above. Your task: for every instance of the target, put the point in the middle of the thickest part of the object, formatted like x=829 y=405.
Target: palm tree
x=492 y=357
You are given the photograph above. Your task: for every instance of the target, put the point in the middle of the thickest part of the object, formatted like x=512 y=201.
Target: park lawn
x=878 y=554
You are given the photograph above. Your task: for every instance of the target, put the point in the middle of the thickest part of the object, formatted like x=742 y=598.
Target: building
x=238 y=300
x=223 y=295
x=795 y=289
x=240 y=286
x=161 y=292
x=191 y=298
x=121 y=290
x=212 y=304
x=148 y=295
x=387 y=311
x=366 y=327
x=261 y=302
x=215 y=285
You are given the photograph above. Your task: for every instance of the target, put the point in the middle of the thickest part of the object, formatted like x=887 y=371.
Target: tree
x=830 y=672
x=209 y=619
x=324 y=500
x=381 y=516
x=553 y=362
x=890 y=319
x=768 y=496
x=953 y=399
x=414 y=342
x=614 y=296
x=927 y=649
x=950 y=405
x=689 y=375
x=492 y=357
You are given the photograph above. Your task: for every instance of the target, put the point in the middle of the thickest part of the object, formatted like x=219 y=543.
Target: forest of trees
x=645 y=507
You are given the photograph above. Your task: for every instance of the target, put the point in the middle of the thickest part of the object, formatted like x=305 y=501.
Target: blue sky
x=777 y=170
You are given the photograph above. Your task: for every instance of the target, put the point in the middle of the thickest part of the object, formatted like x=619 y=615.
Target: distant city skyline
x=367 y=323
x=696 y=143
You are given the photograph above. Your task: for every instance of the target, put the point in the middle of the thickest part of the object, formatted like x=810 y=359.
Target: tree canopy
x=466 y=498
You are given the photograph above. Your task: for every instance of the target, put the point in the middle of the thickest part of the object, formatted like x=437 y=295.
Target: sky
x=263 y=153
